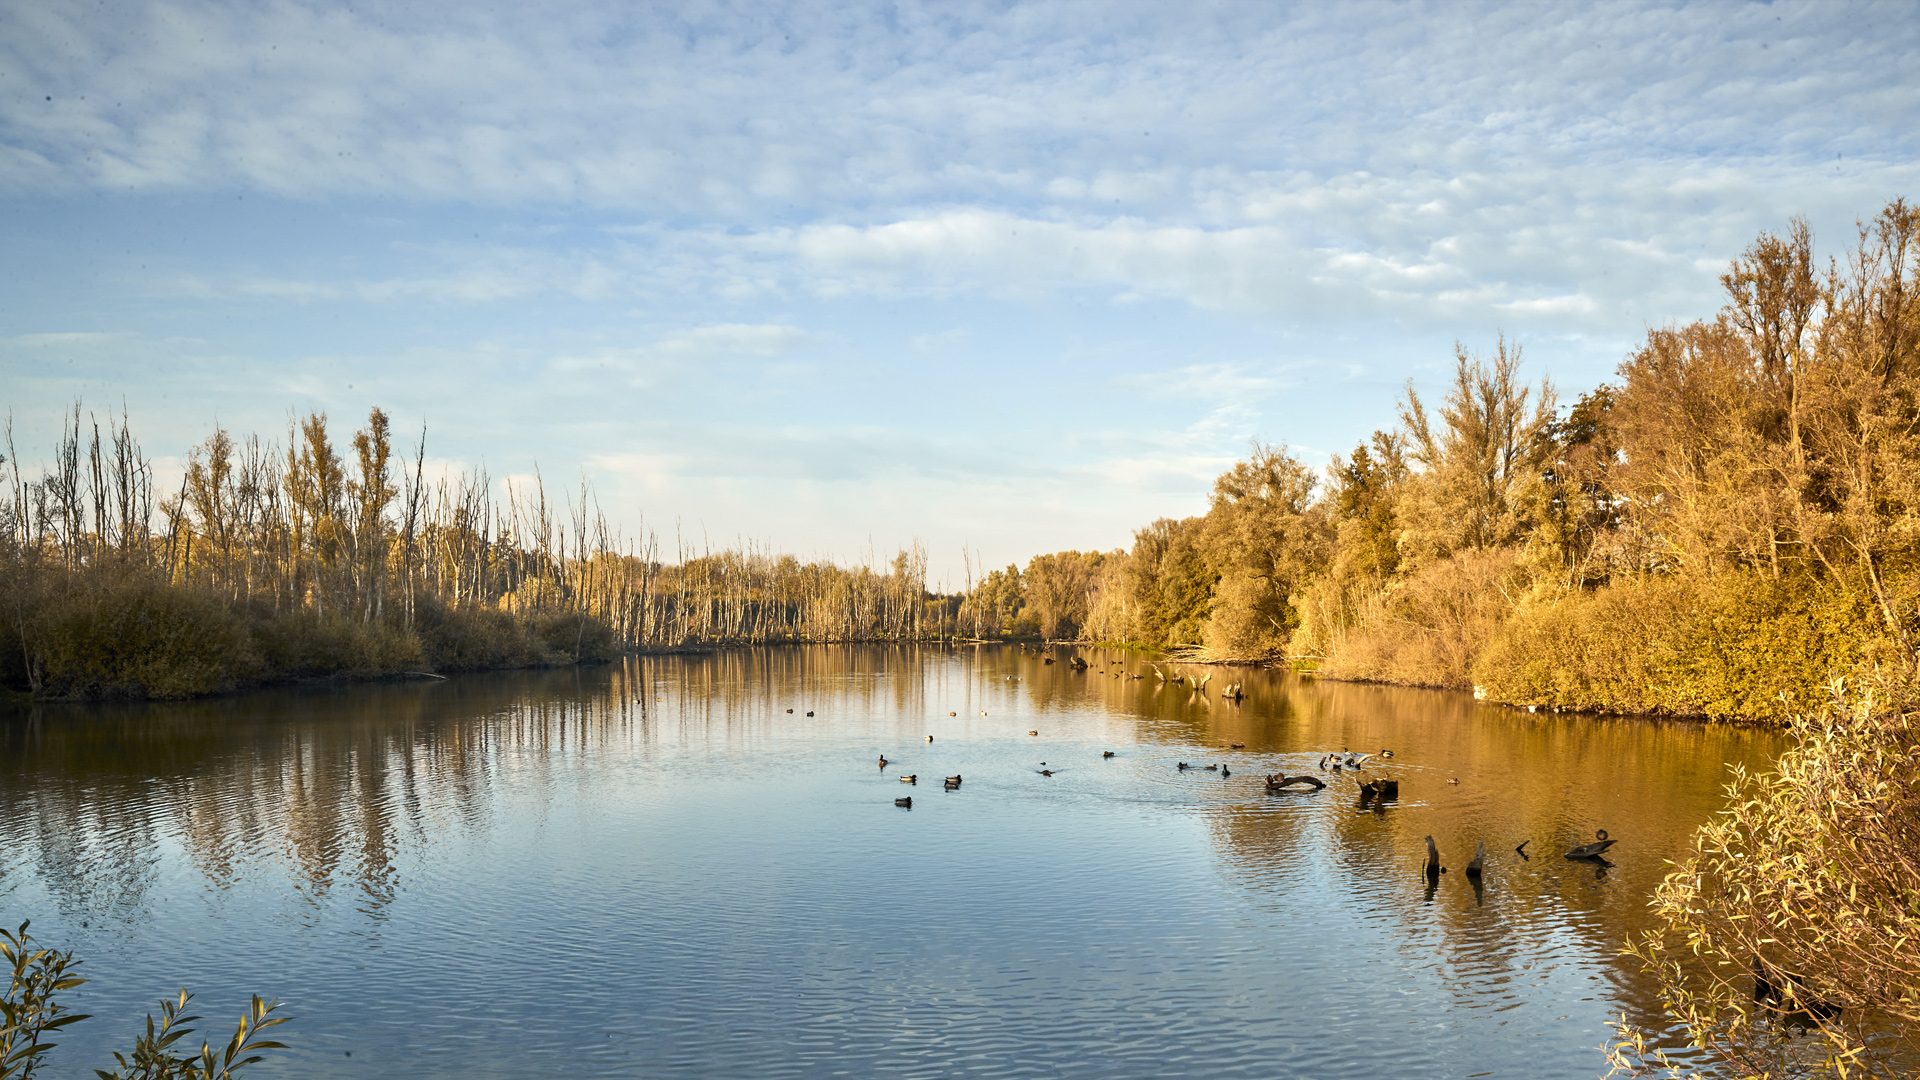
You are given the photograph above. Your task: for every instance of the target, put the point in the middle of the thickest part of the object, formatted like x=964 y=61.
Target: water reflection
x=692 y=834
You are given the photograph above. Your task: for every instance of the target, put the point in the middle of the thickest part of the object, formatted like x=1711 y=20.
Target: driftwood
x=1594 y=850
x=1280 y=782
x=1231 y=691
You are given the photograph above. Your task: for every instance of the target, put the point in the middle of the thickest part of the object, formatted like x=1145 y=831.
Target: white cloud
x=690 y=354
x=718 y=252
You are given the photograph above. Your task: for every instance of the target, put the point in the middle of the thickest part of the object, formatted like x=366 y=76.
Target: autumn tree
x=1477 y=459
x=1262 y=537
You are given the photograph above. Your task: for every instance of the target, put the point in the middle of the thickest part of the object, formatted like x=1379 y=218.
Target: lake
x=693 y=866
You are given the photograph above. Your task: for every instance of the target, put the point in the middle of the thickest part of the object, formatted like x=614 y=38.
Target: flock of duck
x=1374 y=793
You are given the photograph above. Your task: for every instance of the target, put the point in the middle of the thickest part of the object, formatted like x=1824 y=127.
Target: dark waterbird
x=1594 y=850
x=883 y=761
x=1786 y=994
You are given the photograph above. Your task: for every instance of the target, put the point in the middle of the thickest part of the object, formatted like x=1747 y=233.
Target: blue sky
x=1013 y=278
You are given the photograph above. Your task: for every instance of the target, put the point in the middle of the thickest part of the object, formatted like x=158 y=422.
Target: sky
x=829 y=279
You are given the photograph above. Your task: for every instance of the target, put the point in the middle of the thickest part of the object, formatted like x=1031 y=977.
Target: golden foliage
x=1799 y=909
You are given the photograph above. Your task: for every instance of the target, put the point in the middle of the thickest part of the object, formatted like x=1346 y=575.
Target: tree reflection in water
x=326 y=811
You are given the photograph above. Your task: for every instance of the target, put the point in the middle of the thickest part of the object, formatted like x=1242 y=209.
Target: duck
x=1453 y=780
x=1593 y=850
x=789 y=712
x=1386 y=753
x=910 y=778
x=906 y=802
x=953 y=781
x=1106 y=753
x=809 y=712
x=929 y=738
x=1033 y=733
x=1213 y=768
x=1183 y=766
x=1046 y=772
x=1479 y=862
x=1236 y=746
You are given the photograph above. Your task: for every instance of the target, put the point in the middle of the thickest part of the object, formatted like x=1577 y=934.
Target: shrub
x=31 y=1009
x=1429 y=628
x=572 y=637
x=1799 y=908
x=132 y=636
x=1741 y=644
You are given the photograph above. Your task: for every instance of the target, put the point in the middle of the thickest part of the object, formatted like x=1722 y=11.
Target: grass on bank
x=127 y=634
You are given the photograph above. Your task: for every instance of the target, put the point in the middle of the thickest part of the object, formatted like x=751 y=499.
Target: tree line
x=1723 y=529
x=300 y=558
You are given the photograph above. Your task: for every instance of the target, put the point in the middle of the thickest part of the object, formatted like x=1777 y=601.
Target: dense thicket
x=1722 y=531
x=274 y=561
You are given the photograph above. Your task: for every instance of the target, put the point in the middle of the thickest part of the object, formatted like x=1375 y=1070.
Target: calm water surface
x=656 y=869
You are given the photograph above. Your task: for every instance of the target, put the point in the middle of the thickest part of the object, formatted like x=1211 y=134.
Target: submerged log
x=1280 y=782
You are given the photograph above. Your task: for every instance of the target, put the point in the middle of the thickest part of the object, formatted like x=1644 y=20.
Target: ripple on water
x=655 y=869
